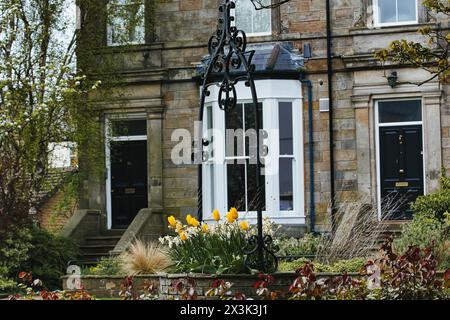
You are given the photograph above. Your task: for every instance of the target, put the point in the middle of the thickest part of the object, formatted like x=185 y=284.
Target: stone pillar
x=362 y=116
x=155 y=161
x=432 y=140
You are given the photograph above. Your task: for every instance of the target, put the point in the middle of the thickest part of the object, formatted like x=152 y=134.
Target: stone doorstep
x=109 y=286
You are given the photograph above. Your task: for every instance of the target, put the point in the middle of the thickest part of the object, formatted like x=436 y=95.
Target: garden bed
x=168 y=285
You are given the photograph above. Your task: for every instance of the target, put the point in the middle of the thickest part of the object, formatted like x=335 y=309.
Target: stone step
x=105 y=240
x=395 y=226
x=96 y=248
x=113 y=232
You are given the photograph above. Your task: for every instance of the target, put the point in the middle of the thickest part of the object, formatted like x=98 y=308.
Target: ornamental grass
x=144 y=258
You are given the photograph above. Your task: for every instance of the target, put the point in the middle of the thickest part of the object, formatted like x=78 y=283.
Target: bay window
x=229 y=175
x=395 y=12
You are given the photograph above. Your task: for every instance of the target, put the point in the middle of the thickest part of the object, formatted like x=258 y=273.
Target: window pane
x=400 y=111
x=244 y=11
x=250 y=123
x=252 y=190
x=236 y=186
x=261 y=19
x=251 y=20
x=234 y=120
x=406 y=10
x=126 y=21
x=129 y=128
x=286 y=128
x=286 y=185
x=387 y=10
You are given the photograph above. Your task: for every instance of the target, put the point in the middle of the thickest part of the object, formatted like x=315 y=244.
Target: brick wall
x=56 y=211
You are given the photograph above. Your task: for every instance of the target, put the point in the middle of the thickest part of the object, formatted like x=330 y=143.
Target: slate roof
x=269 y=57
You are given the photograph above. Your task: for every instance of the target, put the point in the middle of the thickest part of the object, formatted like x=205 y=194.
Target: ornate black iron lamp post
x=228 y=56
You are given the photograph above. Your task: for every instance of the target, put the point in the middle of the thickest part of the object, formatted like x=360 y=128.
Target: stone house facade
x=386 y=139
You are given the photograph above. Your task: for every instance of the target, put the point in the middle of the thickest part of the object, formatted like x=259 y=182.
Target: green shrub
x=49 y=257
x=7 y=286
x=307 y=246
x=437 y=203
x=426 y=230
x=341 y=266
x=14 y=249
x=37 y=251
x=289 y=266
x=108 y=266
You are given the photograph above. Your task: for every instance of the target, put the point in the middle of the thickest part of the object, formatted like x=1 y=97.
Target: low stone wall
x=110 y=286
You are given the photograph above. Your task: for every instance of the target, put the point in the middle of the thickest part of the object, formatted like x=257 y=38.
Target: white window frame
x=377 y=16
x=270 y=93
x=109 y=27
x=253 y=34
x=379 y=125
x=108 y=139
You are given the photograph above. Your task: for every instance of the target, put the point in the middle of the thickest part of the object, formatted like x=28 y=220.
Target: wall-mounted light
x=392 y=79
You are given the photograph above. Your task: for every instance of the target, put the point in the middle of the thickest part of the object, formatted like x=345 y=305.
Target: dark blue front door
x=128 y=181
x=401 y=167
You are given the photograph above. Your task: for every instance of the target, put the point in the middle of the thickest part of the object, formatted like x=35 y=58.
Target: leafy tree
x=41 y=99
x=432 y=54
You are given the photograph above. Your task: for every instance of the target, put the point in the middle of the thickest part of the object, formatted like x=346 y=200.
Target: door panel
x=401 y=166
x=128 y=181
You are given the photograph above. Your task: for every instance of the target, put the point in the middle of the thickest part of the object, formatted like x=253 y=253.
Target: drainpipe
x=312 y=207
x=330 y=97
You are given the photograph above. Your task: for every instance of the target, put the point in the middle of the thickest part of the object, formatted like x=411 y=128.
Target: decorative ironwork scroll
x=229 y=63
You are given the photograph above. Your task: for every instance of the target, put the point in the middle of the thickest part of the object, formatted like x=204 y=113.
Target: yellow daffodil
x=172 y=221
x=216 y=215
x=205 y=228
x=179 y=227
x=194 y=222
x=189 y=219
x=244 y=225
x=230 y=217
x=183 y=236
x=234 y=213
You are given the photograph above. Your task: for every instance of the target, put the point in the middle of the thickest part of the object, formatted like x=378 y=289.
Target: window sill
x=131 y=44
x=130 y=47
x=395 y=24
x=260 y=34
x=280 y=219
x=253 y=38
x=390 y=29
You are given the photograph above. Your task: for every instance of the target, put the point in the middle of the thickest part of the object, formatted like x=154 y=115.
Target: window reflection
x=400 y=111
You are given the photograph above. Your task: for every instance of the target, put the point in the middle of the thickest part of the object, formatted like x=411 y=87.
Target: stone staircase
x=87 y=228
x=392 y=229
x=95 y=247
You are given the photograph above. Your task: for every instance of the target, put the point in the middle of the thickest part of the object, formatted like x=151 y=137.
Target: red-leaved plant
x=411 y=276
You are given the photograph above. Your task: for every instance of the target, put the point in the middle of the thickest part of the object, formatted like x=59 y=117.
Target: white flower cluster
x=270 y=228
x=170 y=241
